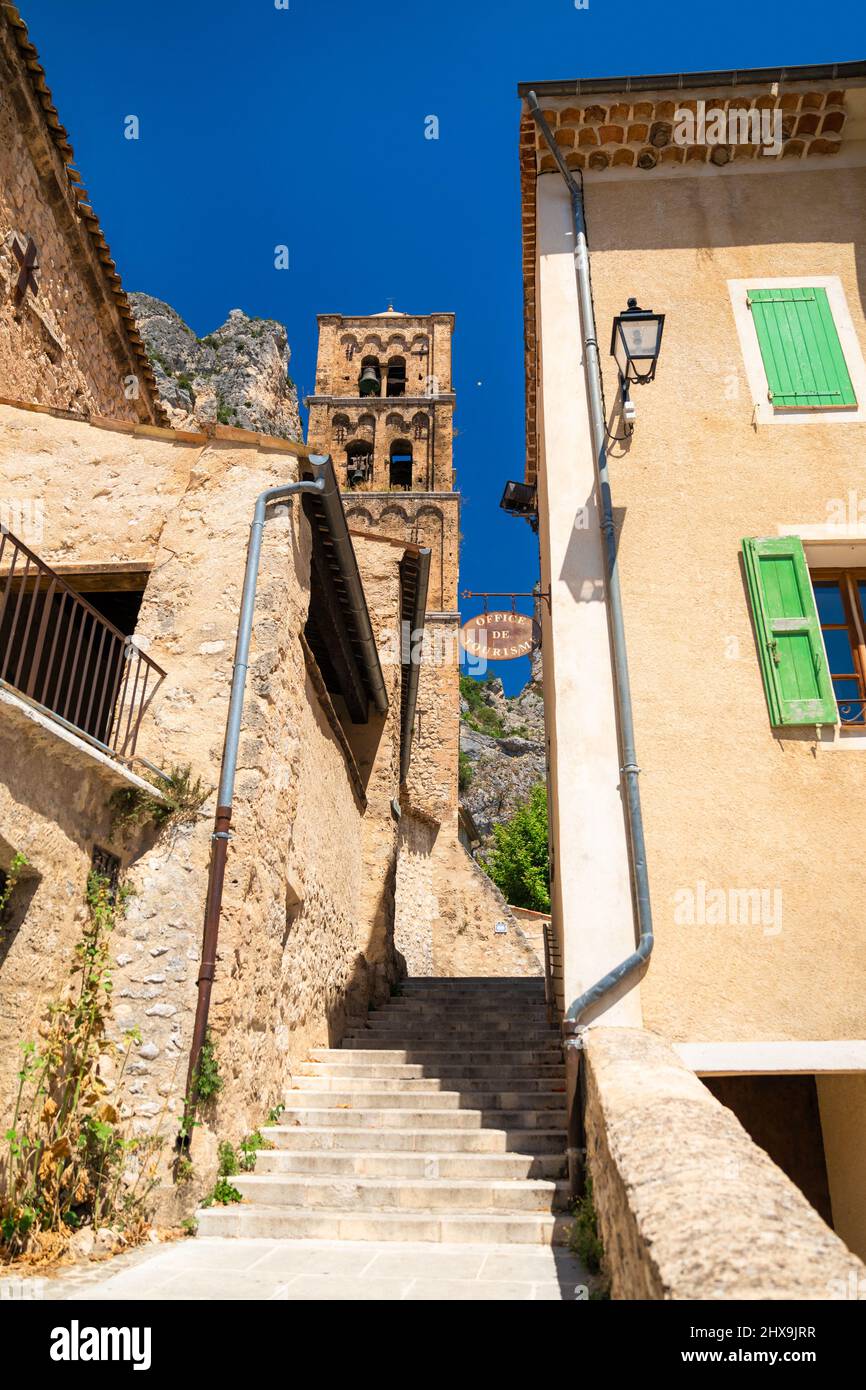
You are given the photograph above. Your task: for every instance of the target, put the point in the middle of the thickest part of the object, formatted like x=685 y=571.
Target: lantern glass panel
x=642 y=339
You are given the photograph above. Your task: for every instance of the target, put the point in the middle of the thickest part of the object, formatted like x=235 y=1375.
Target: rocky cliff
x=237 y=375
x=502 y=748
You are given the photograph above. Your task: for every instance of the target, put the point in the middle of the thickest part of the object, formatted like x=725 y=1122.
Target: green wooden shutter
x=801 y=351
x=793 y=662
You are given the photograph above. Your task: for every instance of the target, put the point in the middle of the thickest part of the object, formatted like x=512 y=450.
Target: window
x=797 y=684
x=840 y=597
x=803 y=360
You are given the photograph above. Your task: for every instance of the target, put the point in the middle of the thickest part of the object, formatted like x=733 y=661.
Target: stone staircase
x=441 y=1118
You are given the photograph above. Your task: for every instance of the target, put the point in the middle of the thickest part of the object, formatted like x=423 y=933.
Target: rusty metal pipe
x=225 y=794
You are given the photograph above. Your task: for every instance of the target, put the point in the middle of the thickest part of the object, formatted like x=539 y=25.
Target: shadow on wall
x=581 y=571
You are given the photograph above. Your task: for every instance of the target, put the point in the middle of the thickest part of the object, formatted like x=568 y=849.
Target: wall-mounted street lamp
x=521 y=499
x=635 y=343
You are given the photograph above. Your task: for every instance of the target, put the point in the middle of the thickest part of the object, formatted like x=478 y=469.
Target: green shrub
x=228 y=1160
x=519 y=861
x=249 y=1147
x=224 y=1193
x=465 y=771
x=583 y=1238
x=479 y=715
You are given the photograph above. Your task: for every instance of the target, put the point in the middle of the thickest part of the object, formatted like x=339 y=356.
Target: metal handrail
x=58 y=651
x=549 y=988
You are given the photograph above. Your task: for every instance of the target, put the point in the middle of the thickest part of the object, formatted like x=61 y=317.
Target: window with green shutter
x=800 y=348
x=791 y=649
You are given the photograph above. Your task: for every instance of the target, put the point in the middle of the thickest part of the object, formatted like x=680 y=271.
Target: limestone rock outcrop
x=237 y=375
x=503 y=740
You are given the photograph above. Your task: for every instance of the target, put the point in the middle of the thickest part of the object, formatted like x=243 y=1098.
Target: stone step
x=406 y=1194
x=400 y=1098
x=484 y=1009
x=426 y=1085
x=388 y=1164
x=330 y=1138
x=282 y=1223
x=437 y=1023
x=432 y=1058
x=496 y=1020
x=394 y=1117
x=467 y=1040
x=417 y=1050
x=343 y=1064
x=452 y=983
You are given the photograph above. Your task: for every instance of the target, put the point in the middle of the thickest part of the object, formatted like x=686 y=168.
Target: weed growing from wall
x=7 y=888
x=224 y=1191
x=583 y=1238
x=132 y=807
x=208 y=1082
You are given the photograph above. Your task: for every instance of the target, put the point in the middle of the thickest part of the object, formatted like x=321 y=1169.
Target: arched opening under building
x=400 y=469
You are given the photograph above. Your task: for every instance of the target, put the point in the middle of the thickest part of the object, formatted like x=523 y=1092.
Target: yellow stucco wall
x=842 y=1102
x=728 y=802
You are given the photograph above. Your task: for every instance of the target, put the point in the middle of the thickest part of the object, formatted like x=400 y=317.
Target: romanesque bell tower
x=384 y=411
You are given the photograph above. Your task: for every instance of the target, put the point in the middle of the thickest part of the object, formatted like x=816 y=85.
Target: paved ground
x=321 y=1270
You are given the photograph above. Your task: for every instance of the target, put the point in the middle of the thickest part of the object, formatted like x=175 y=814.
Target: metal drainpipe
x=225 y=795
x=575 y=1014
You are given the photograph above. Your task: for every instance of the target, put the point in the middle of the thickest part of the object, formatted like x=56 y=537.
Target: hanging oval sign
x=499 y=636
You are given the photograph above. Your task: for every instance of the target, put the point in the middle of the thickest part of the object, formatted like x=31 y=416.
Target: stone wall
x=688 y=1206
x=73 y=344
x=422 y=340
x=306 y=934
x=430 y=520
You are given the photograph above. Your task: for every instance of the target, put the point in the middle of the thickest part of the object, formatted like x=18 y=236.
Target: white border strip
x=773 y=1058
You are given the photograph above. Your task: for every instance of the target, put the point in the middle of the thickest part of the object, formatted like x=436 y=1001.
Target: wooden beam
x=328 y=617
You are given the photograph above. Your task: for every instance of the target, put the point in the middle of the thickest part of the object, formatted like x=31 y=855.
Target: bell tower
x=384 y=411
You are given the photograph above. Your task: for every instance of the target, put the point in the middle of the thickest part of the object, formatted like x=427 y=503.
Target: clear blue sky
x=305 y=127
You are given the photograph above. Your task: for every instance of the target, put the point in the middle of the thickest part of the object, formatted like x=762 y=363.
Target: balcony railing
x=59 y=652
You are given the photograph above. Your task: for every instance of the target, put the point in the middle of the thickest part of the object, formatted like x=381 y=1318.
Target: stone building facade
x=122 y=557
x=307 y=928
x=752 y=848
x=67 y=333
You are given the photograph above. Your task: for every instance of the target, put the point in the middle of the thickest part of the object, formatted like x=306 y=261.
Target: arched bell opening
x=396 y=384
x=359 y=463
x=400 y=465
x=370 y=380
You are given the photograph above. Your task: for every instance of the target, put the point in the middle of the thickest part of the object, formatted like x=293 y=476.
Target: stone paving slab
x=321 y=1271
